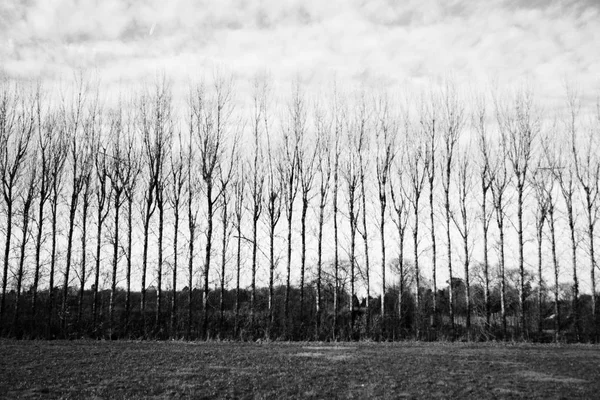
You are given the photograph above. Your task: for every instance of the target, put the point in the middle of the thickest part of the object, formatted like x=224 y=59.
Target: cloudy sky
x=380 y=41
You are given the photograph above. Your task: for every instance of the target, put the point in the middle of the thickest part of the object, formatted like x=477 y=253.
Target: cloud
x=355 y=40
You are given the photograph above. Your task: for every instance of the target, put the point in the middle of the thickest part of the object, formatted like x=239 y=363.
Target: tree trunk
x=65 y=307
x=303 y=255
x=575 y=305
x=159 y=272
x=175 y=265
x=9 y=215
x=209 y=232
x=556 y=273
x=129 y=255
x=26 y=208
x=97 y=269
x=113 y=286
x=223 y=261
x=486 y=263
x=520 y=189
x=84 y=211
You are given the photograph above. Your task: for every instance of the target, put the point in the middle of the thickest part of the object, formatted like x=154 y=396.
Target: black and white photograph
x=272 y=199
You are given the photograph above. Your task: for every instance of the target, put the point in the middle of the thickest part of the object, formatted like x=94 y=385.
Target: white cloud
x=381 y=39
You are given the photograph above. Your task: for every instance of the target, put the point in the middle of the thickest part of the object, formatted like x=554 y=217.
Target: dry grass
x=86 y=369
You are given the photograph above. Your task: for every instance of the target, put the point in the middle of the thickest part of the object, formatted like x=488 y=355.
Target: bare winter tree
x=351 y=169
x=452 y=123
x=551 y=164
x=339 y=122
x=239 y=187
x=386 y=132
x=102 y=191
x=500 y=182
x=307 y=168
x=292 y=133
x=463 y=220
x=75 y=116
x=225 y=179
x=363 y=126
x=153 y=109
x=178 y=176
x=566 y=176
x=479 y=120
x=17 y=127
x=417 y=164
x=587 y=169
x=212 y=116
x=519 y=127
x=192 y=188
x=258 y=178
x=273 y=201
x=49 y=152
x=400 y=213
x=429 y=124
x=323 y=126
x=540 y=182
x=28 y=189
x=132 y=170
x=117 y=172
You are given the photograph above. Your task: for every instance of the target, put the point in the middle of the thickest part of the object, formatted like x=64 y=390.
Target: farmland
x=126 y=369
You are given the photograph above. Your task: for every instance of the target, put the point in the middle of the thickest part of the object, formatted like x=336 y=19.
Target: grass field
x=88 y=369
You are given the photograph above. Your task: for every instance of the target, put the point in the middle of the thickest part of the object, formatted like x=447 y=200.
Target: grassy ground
x=87 y=369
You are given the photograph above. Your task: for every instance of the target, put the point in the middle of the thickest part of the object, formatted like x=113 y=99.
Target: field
x=97 y=369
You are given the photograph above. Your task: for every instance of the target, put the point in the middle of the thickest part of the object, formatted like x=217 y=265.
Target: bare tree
x=17 y=124
x=587 y=170
x=463 y=221
x=400 y=216
x=429 y=124
x=225 y=178
x=339 y=121
x=153 y=109
x=500 y=182
x=351 y=171
x=519 y=127
x=86 y=198
x=307 y=166
x=28 y=190
x=57 y=164
x=103 y=195
x=132 y=170
x=117 y=172
x=192 y=185
x=485 y=182
x=258 y=178
x=417 y=166
x=50 y=152
x=452 y=124
x=566 y=176
x=212 y=119
x=74 y=118
x=363 y=160
x=551 y=162
x=178 y=177
x=239 y=187
x=274 y=195
x=386 y=132
x=292 y=133
x=540 y=183
x=324 y=168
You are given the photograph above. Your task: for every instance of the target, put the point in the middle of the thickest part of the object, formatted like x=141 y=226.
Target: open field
x=32 y=369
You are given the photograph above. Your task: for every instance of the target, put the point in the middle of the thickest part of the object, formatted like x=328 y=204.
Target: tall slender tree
x=17 y=125
x=519 y=126
x=386 y=132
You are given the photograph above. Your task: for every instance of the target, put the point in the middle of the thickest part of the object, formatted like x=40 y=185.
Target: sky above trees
x=379 y=42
